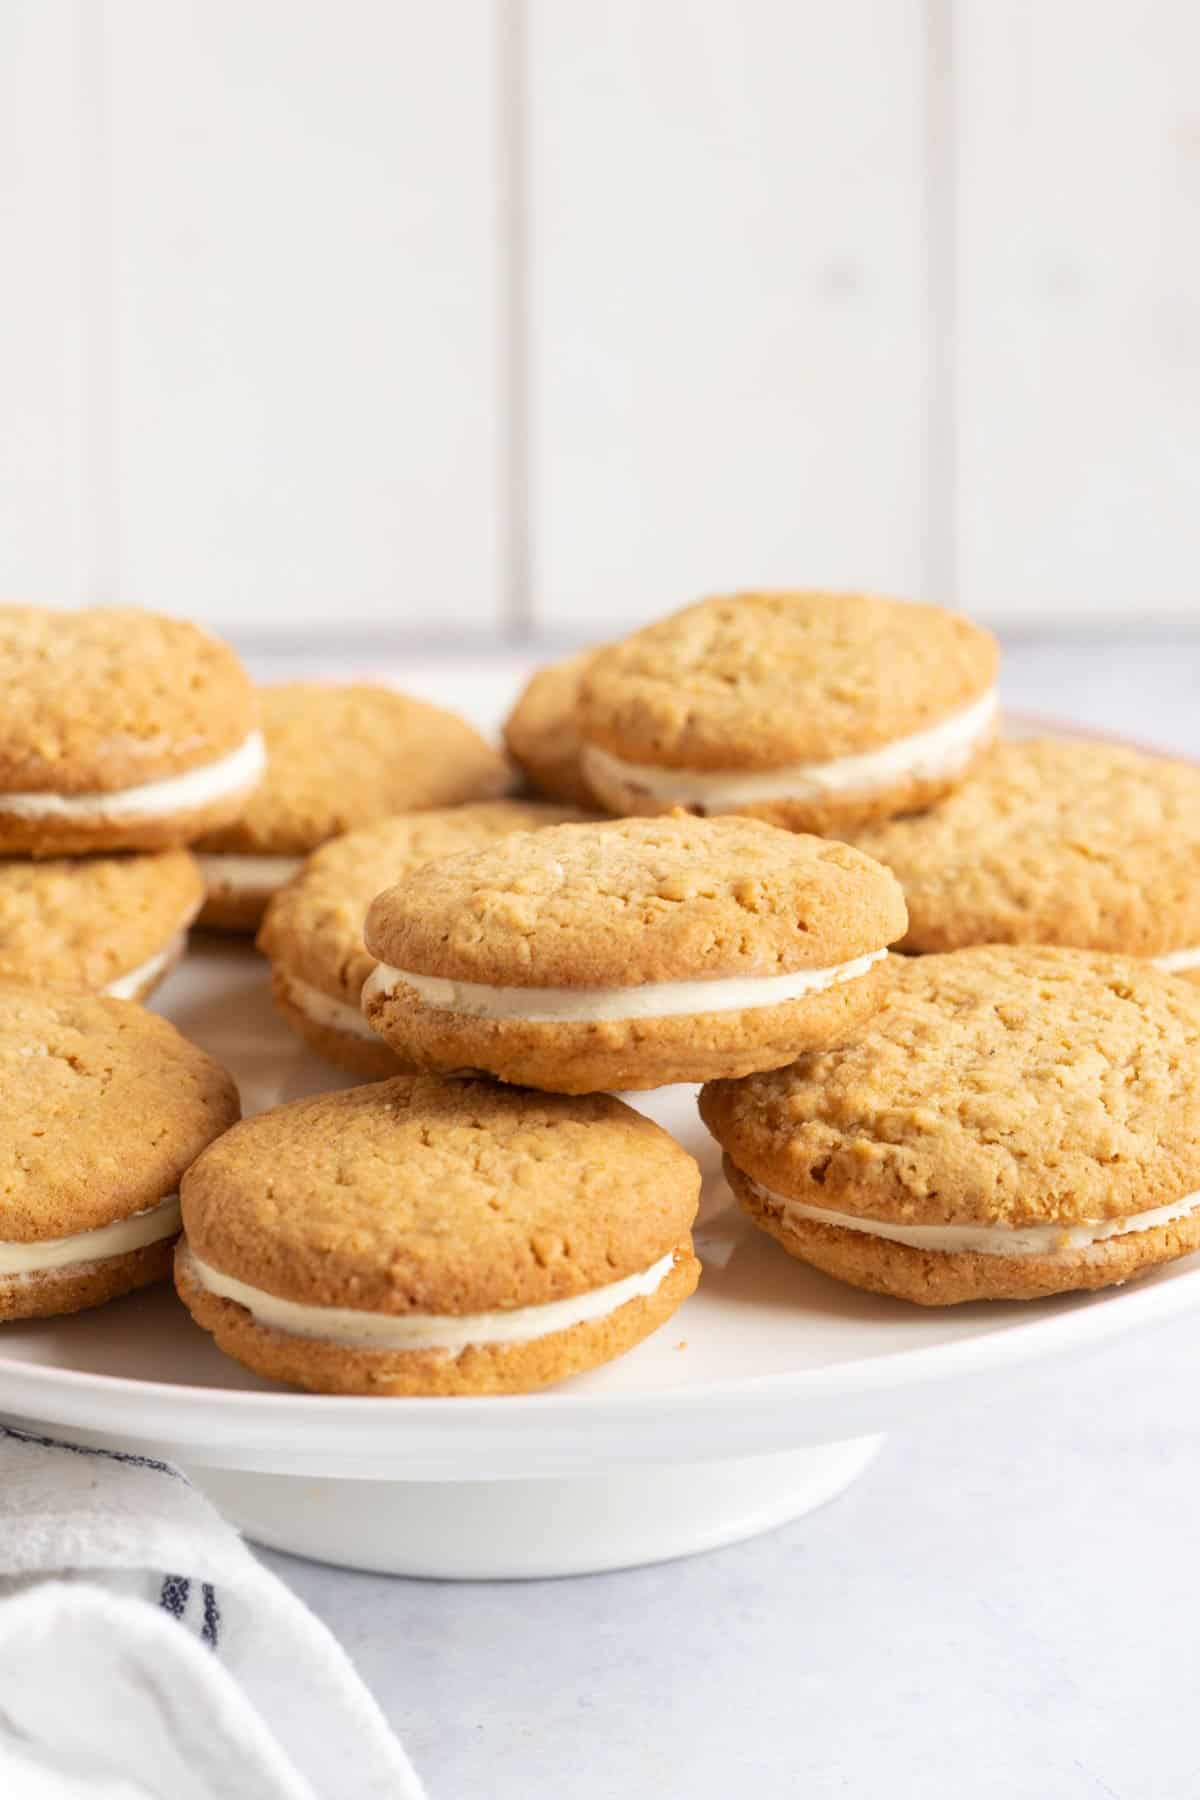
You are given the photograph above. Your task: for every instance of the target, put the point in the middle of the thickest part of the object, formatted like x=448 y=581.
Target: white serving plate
x=762 y=1398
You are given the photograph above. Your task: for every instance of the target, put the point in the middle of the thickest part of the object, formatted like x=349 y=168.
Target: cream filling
x=323 y=1009
x=1175 y=960
x=656 y=1000
x=237 y=874
x=925 y=756
x=125 y=987
x=987 y=1240
x=117 y=1239
x=241 y=769
x=429 y=1331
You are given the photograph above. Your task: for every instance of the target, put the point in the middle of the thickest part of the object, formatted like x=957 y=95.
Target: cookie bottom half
x=328 y=1368
x=50 y=836
x=831 y=815
x=75 y=1288
x=599 y=1056
x=948 y=1278
x=369 y=1057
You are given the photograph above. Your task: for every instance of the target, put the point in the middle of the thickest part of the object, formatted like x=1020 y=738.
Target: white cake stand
x=762 y=1399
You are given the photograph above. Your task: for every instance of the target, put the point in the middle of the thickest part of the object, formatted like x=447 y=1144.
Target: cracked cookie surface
x=342 y=755
x=755 y=680
x=450 y=1199
x=79 y=923
x=638 y=900
x=1054 y=841
x=628 y=928
x=998 y=1088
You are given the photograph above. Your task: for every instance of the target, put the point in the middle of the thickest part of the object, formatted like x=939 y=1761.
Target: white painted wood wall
x=518 y=315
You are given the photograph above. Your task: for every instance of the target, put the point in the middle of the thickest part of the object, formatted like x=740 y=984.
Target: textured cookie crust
x=326 y=1368
x=938 y=1278
x=314 y=925
x=752 y=681
x=587 y=1057
x=637 y=900
x=993 y=1086
x=1054 y=842
x=112 y=698
x=59 y=1291
x=80 y=923
x=428 y=1196
x=542 y=732
x=342 y=756
x=105 y=1105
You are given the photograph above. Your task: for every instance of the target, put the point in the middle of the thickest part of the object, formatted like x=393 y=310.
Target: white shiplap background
x=521 y=316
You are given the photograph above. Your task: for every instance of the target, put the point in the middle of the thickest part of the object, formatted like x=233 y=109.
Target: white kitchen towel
x=145 y=1652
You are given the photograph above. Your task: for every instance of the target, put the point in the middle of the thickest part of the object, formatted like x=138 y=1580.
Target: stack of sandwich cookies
x=96 y=924
x=105 y=1106
x=815 y=711
x=122 y=730
x=337 y=757
x=541 y=732
x=1013 y=1122
x=313 y=930
x=630 y=954
x=1055 y=841
x=419 y=1236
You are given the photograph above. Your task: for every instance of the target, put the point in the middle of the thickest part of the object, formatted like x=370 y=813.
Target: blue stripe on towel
x=122 y=1456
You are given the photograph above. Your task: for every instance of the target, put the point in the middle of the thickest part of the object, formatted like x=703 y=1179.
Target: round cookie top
x=1054 y=841
x=105 y=1105
x=435 y=1196
x=758 y=681
x=341 y=756
x=314 y=925
x=993 y=1086
x=79 y=922
x=635 y=901
x=114 y=698
x=542 y=731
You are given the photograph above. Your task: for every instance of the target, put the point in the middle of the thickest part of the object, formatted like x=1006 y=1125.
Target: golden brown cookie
x=816 y=711
x=96 y=924
x=542 y=732
x=313 y=930
x=629 y=954
x=420 y=1236
x=1055 y=841
x=121 y=730
x=1013 y=1122
x=104 y=1106
x=337 y=757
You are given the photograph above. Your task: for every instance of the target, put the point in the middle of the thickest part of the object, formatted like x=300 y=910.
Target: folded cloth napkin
x=145 y=1652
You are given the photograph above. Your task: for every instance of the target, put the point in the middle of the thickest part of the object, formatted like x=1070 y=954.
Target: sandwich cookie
x=814 y=711
x=1055 y=841
x=337 y=757
x=542 y=732
x=104 y=1106
x=313 y=930
x=1013 y=1122
x=419 y=1236
x=96 y=924
x=630 y=954
x=121 y=730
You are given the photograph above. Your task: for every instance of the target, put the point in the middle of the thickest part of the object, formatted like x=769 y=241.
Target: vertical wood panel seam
x=942 y=301
x=99 y=499
x=513 y=351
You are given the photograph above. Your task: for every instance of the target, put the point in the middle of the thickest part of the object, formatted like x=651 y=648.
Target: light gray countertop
x=1004 y=1607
